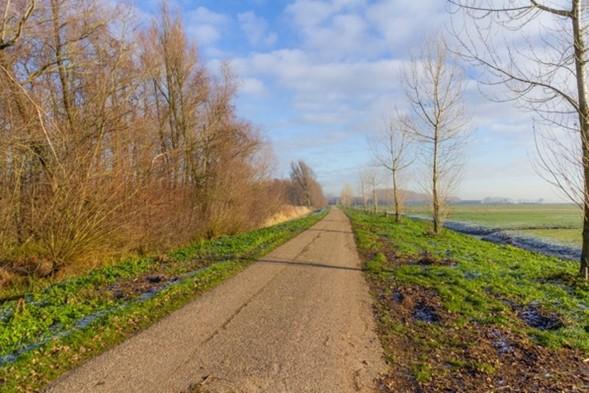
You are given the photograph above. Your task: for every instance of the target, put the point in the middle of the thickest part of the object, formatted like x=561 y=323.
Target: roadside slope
x=458 y=314
x=299 y=320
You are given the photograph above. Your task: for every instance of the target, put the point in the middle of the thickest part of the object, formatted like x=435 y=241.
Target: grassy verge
x=459 y=314
x=50 y=331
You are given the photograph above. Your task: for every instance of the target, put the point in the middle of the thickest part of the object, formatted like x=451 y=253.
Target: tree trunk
x=435 y=196
x=584 y=126
x=60 y=58
x=396 y=199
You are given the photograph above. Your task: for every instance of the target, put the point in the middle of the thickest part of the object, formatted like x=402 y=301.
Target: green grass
x=45 y=312
x=568 y=237
x=559 y=223
x=486 y=279
x=475 y=292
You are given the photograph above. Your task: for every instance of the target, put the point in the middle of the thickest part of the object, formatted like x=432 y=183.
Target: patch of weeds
x=483 y=368
x=376 y=264
x=422 y=372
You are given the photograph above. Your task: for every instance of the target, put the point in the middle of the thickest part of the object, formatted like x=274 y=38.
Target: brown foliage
x=113 y=138
x=304 y=189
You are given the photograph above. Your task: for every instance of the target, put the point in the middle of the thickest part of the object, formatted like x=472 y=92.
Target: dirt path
x=297 y=321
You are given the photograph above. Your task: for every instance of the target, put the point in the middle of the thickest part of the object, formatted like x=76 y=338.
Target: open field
x=559 y=223
x=459 y=314
x=48 y=331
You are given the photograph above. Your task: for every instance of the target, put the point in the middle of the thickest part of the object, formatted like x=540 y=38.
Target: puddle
x=425 y=313
x=398 y=297
x=533 y=316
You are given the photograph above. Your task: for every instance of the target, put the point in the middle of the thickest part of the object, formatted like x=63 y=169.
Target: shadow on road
x=310 y=264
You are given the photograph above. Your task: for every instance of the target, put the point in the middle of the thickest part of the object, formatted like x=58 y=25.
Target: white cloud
x=252 y=86
x=302 y=73
x=256 y=29
x=341 y=79
x=404 y=24
x=205 y=25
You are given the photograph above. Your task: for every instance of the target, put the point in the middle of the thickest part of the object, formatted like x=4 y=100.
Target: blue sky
x=319 y=77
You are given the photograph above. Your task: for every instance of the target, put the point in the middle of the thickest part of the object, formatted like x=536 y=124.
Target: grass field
x=456 y=313
x=559 y=223
x=50 y=330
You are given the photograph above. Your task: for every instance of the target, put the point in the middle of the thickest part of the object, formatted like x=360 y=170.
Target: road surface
x=299 y=320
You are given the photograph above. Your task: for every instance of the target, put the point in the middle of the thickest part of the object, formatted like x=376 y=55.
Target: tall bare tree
x=537 y=50
x=434 y=88
x=391 y=150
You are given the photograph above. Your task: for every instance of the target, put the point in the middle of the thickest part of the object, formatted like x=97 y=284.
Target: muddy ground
x=432 y=350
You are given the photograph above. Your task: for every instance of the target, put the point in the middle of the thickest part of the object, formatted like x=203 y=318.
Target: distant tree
x=347 y=196
x=391 y=150
x=306 y=190
x=364 y=189
x=370 y=181
x=434 y=87
x=547 y=73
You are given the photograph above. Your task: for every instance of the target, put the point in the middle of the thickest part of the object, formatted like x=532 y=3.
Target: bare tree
x=391 y=151
x=13 y=22
x=113 y=136
x=369 y=180
x=434 y=87
x=306 y=191
x=364 y=188
x=538 y=52
x=347 y=196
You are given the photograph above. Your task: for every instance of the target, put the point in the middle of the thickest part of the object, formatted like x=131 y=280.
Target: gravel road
x=299 y=320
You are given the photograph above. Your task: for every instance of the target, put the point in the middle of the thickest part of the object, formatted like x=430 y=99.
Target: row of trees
x=532 y=52
x=433 y=125
x=118 y=137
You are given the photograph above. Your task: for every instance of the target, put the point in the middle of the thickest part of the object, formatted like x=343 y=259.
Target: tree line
x=117 y=137
x=531 y=52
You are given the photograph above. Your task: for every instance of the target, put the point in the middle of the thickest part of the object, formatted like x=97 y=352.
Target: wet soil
x=432 y=350
x=535 y=317
x=424 y=259
x=150 y=283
